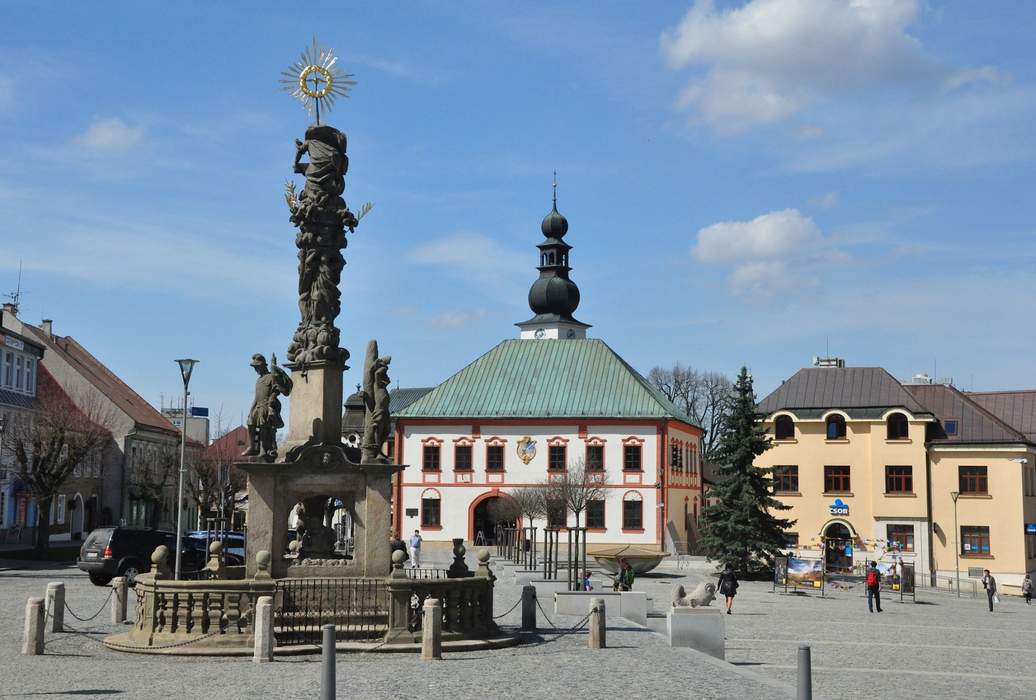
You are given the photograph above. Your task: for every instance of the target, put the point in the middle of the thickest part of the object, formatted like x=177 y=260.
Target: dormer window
x=896 y=427
x=949 y=427
x=835 y=427
x=784 y=428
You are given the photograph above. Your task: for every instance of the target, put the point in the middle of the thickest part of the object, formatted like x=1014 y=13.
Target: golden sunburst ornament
x=315 y=78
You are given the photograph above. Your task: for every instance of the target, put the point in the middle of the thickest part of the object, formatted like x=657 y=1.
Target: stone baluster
x=215 y=568
x=160 y=563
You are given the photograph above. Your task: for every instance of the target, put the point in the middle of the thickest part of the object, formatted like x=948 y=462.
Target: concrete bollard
x=32 y=637
x=597 y=624
x=118 y=606
x=56 y=606
x=263 y=651
x=431 y=630
x=805 y=681
x=327 y=664
x=529 y=608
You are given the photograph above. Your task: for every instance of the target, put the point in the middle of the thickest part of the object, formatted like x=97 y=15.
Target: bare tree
x=151 y=481
x=704 y=396
x=574 y=488
x=213 y=481
x=529 y=502
x=50 y=441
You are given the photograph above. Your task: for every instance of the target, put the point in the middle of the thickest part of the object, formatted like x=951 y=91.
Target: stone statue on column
x=264 y=418
x=376 y=400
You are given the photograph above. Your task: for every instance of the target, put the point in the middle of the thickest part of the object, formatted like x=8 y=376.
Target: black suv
x=126 y=551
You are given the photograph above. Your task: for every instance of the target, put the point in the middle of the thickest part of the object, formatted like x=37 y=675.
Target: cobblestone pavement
x=638 y=662
x=940 y=647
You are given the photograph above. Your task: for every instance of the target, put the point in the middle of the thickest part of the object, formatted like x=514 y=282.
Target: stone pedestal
x=316 y=404
x=703 y=629
x=320 y=470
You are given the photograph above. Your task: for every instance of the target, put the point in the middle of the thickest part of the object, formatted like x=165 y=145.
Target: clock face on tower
x=539 y=334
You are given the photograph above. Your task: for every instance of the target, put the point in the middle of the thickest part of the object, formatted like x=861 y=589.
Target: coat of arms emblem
x=526 y=449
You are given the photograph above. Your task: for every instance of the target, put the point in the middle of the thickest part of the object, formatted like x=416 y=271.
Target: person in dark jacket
x=624 y=579
x=989 y=583
x=728 y=586
x=873 y=587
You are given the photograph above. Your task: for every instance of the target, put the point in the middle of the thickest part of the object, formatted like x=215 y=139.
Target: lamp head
x=186 y=367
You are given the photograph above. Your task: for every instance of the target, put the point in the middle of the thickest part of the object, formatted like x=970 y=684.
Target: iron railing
x=357 y=607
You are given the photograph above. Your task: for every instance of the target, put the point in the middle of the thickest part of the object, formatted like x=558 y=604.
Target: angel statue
x=376 y=399
x=264 y=418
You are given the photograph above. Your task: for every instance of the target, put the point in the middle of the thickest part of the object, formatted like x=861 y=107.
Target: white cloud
x=110 y=135
x=779 y=250
x=768 y=60
x=456 y=319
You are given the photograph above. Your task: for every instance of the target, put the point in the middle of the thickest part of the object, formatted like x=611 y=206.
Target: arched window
x=632 y=511
x=835 y=427
x=896 y=427
x=784 y=428
x=431 y=509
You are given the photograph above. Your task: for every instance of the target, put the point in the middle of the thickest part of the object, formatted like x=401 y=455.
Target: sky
x=745 y=182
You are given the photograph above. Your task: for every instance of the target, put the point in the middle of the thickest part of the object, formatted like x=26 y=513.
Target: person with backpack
x=873 y=587
x=1027 y=589
x=624 y=580
x=728 y=586
x=989 y=583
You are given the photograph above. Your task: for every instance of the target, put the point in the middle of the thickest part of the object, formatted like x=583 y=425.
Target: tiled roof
x=104 y=380
x=1016 y=408
x=974 y=423
x=578 y=378
x=840 y=387
x=234 y=442
x=13 y=398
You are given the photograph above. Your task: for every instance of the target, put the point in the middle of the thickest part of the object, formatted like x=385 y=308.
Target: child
x=1027 y=589
x=588 y=585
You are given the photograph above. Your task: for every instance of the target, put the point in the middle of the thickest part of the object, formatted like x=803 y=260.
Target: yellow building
x=875 y=470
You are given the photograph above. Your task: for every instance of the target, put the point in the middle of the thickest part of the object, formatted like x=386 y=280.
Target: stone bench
x=703 y=629
x=629 y=605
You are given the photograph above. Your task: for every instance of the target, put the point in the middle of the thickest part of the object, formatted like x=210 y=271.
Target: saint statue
x=264 y=418
x=376 y=399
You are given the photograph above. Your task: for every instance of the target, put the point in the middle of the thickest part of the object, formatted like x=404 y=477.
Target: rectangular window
x=950 y=426
x=632 y=515
x=973 y=480
x=557 y=459
x=30 y=376
x=431 y=513
x=631 y=458
x=9 y=369
x=674 y=457
x=595 y=457
x=430 y=461
x=791 y=540
x=556 y=514
x=974 y=541
x=462 y=458
x=495 y=458
x=899 y=479
x=786 y=479
x=19 y=363
x=836 y=479
x=902 y=536
x=595 y=514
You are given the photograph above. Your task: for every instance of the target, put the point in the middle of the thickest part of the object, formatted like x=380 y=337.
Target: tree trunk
x=42 y=546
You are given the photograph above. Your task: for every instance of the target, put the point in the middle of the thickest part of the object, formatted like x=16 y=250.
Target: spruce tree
x=741 y=529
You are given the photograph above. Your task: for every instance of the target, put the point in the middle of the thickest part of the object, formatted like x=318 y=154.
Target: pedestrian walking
x=624 y=580
x=588 y=584
x=989 y=583
x=1027 y=589
x=873 y=587
x=728 y=586
x=415 y=549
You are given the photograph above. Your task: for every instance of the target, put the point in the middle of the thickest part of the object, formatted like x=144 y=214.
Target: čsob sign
x=839 y=507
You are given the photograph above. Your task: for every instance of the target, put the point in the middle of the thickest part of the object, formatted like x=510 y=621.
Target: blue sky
x=746 y=182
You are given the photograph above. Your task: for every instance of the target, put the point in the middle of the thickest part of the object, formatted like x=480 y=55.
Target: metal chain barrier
x=517 y=603
x=104 y=605
x=561 y=633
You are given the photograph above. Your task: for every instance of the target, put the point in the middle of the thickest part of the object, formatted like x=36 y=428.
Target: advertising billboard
x=806 y=573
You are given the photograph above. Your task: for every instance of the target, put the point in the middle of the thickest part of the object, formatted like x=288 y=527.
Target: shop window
x=431 y=510
x=595 y=457
x=495 y=458
x=896 y=427
x=595 y=514
x=632 y=512
x=631 y=456
x=835 y=427
x=557 y=458
x=836 y=479
x=973 y=481
x=784 y=428
x=901 y=536
x=786 y=479
x=974 y=541
x=430 y=458
x=899 y=479
x=462 y=458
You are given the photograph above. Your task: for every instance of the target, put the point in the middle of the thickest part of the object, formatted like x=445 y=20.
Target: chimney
x=12 y=309
x=48 y=327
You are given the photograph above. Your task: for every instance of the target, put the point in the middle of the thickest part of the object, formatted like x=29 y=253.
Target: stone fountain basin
x=641 y=559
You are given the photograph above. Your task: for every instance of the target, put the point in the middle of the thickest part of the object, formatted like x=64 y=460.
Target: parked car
x=108 y=552
x=233 y=542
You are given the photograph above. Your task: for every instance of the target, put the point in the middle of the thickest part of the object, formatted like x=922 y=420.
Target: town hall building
x=540 y=404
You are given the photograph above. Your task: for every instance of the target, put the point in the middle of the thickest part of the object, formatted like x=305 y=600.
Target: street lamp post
x=186 y=367
x=3 y=429
x=956 y=538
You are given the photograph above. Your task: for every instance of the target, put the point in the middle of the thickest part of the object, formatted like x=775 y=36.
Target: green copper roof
x=544 y=379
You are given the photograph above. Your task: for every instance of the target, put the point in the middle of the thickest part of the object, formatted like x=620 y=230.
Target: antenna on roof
x=16 y=295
